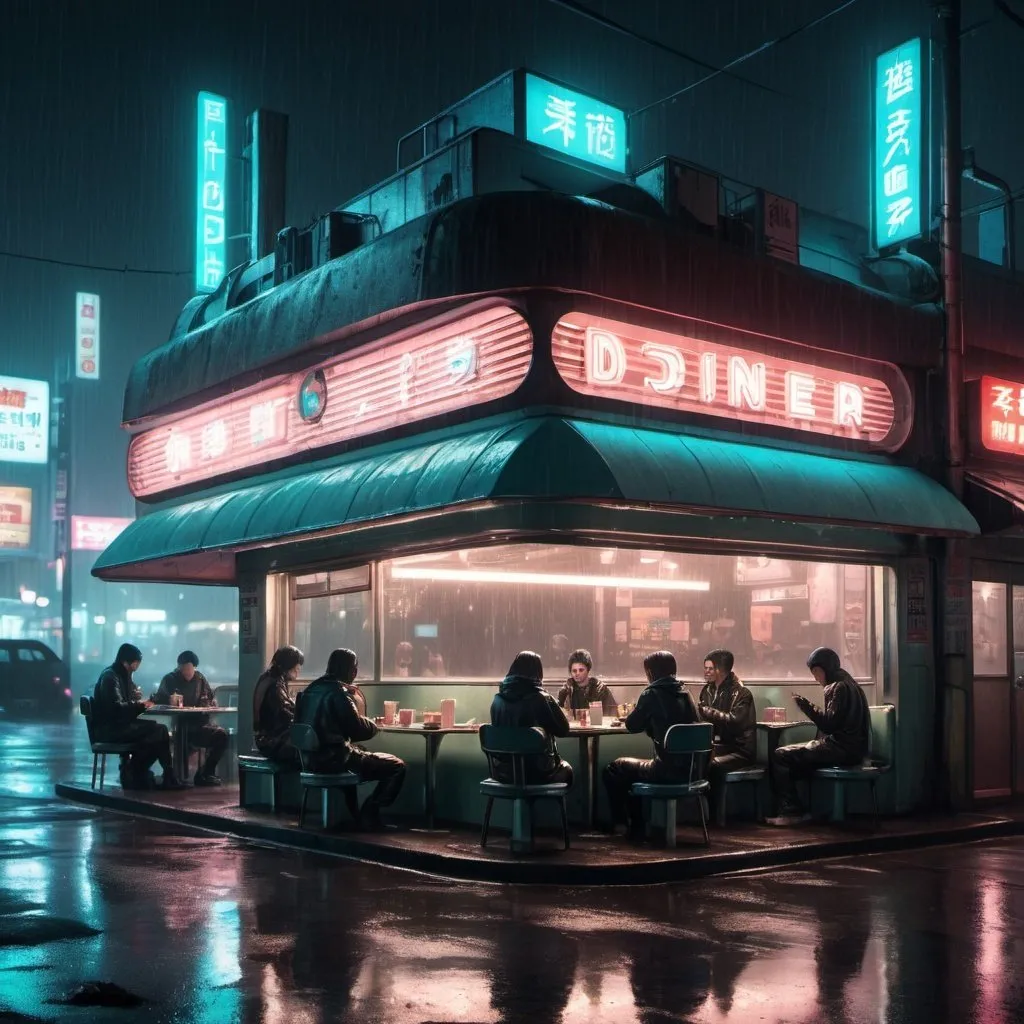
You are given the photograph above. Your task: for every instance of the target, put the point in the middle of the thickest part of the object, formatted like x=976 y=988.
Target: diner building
x=524 y=417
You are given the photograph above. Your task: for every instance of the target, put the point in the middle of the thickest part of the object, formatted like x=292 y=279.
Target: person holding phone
x=843 y=728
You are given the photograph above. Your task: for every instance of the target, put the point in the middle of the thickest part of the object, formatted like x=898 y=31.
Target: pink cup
x=390 y=711
x=406 y=716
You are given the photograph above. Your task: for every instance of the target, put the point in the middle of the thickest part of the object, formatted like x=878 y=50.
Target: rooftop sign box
x=476 y=358
x=1001 y=419
x=211 y=176
x=607 y=359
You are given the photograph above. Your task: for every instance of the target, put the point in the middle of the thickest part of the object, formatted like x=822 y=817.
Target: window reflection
x=320 y=624
x=989 y=628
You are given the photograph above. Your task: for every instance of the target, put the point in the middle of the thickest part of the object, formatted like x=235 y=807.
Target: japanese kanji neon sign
x=898 y=195
x=1002 y=415
x=211 y=167
x=576 y=125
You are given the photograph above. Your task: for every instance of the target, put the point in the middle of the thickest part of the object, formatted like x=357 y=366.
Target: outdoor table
x=773 y=733
x=589 y=737
x=433 y=739
x=178 y=719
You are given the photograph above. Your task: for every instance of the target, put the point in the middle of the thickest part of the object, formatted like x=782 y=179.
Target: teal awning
x=539 y=460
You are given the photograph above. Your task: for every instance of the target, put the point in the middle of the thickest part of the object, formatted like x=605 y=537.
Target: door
x=993 y=686
x=1017 y=692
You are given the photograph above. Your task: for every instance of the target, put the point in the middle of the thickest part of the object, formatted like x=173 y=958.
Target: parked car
x=33 y=680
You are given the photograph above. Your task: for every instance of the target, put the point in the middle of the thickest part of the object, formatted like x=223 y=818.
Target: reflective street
x=206 y=929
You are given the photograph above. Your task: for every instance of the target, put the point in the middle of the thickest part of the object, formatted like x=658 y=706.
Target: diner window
x=330 y=610
x=465 y=614
x=988 y=607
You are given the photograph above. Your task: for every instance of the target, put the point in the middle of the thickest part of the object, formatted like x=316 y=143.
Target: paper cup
x=390 y=711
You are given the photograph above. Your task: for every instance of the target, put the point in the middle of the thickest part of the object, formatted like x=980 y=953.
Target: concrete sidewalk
x=454 y=851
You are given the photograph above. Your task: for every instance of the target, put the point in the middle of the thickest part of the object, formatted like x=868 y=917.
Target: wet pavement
x=211 y=929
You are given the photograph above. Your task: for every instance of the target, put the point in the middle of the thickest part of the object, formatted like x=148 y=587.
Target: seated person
x=582 y=689
x=117 y=705
x=843 y=729
x=662 y=704
x=729 y=706
x=522 y=701
x=195 y=692
x=329 y=704
x=273 y=709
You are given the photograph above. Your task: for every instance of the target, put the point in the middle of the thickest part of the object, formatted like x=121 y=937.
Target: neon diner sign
x=607 y=359
x=1002 y=416
x=474 y=359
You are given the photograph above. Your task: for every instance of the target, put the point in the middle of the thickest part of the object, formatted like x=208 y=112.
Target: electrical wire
x=767 y=45
x=92 y=266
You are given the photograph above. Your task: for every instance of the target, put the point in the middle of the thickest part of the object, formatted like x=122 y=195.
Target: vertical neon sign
x=211 y=167
x=898 y=139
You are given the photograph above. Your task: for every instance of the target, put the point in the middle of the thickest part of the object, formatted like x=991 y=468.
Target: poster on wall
x=919 y=627
x=15 y=517
x=248 y=609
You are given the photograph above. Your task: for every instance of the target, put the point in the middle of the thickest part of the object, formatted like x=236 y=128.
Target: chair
x=307 y=743
x=753 y=775
x=881 y=754
x=250 y=765
x=518 y=743
x=693 y=741
x=100 y=750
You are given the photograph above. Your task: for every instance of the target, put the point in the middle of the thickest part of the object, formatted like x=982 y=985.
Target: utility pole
x=956 y=689
x=62 y=508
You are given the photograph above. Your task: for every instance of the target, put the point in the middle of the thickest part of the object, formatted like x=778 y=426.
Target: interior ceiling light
x=551 y=579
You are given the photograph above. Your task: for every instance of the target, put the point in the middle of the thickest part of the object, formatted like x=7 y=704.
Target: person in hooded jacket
x=663 y=704
x=844 y=725
x=729 y=706
x=583 y=689
x=522 y=701
x=117 y=704
x=331 y=704
x=273 y=708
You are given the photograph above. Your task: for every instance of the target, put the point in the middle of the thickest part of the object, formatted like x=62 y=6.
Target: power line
x=615 y=26
x=92 y=266
x=767 y=45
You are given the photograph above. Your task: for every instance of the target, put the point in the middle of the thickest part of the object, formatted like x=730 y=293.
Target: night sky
x=98 y=111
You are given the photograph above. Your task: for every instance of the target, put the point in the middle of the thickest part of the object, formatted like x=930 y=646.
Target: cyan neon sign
x=898 y=139
x=576 y=125
x=211 y=164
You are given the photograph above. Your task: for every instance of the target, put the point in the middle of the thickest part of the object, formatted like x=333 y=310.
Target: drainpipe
x=983 y=177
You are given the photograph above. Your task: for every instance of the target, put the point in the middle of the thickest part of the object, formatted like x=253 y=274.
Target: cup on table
x=448 y=713
x=583 y=718
x=597 y=713
x=406 y=716
x=177 y=700
x=390 y=711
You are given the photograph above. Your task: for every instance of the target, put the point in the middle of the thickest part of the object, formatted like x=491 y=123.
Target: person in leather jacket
x=582 y=689
x=331 y=705
x=729 y=706
x=522 y=701
x=274 y=708
x=663 y=704
x=844 y=726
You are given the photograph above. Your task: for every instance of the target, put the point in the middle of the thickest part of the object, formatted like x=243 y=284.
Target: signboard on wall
x=781 y=227
x=467 y=361
x=24 y=420
x=211 y=174
x=95 y=533
x=15 y=517
x=1002 y=415
x=919 y=616
x=898 y=195
x=87 y=336
x=574 y=124
x=607 y=359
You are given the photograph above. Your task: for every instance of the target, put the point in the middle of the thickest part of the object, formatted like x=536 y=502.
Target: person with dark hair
x=117 y=704
x=196 y=692
x=522 y=701
x=844 y=726
x=582 y=689
x=331 y=705
x=273 y=707
x=729 y=706
x=662 y=704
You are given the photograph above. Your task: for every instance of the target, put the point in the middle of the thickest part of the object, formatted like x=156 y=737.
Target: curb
x=547 y=871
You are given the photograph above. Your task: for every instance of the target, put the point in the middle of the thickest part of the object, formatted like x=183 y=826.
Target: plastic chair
x=682 y=742
x=307 y=743
x=519 y=744
x=100 y=749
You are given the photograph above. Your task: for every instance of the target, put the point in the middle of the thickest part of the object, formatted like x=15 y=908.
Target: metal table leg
x=433 y=741
x=588 y=766
x=179 y=750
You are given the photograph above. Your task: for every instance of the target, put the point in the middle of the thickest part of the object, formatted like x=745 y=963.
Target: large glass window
x=988 y=606
x=323 y=619
x=465 y=614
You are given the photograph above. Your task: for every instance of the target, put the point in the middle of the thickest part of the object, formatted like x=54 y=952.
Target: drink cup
x=596 y=713
x=177 y=700
x=406 y=716
x=448 y=713
x=390 y=711
x=583 y=717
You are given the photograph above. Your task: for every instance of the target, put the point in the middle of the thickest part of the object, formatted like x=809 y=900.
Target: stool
x=253 y=765
x=754 y=775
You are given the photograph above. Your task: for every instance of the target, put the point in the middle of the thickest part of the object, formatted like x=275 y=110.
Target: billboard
x=87 y=336
x=898 y=158
x=15 y=517
x=94 y=533
x=576 y=125
x=211 y=172
x=24 y=420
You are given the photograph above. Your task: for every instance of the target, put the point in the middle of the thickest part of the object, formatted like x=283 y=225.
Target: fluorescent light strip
x=551 y=579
